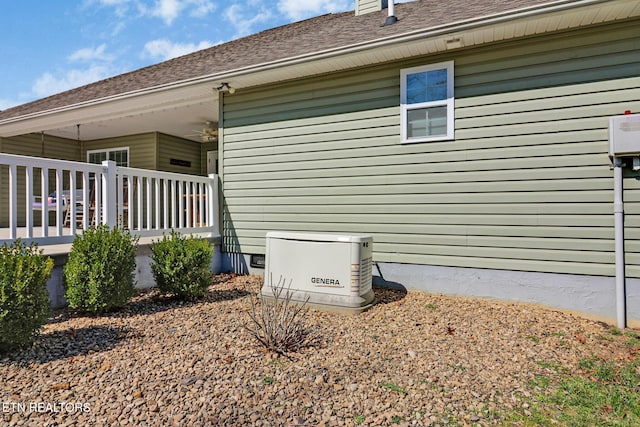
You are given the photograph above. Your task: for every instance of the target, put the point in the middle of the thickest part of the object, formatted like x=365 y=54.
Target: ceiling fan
x=209 y=133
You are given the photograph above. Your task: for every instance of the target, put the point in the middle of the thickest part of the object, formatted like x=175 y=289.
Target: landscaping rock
x=413 y=359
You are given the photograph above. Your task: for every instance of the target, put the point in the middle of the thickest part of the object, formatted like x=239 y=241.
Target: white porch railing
x=49 y=201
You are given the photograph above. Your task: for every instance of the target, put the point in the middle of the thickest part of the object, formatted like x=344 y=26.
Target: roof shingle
x=330 y=31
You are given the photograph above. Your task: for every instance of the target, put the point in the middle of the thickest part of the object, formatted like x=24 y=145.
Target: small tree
x=24 y=300
x=181 y=265
x=100 y=273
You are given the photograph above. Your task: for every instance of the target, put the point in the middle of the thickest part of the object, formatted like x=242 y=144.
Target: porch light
x=226 y=87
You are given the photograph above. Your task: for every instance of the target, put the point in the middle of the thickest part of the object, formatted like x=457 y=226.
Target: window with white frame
x=119 y=155
x=426 y=103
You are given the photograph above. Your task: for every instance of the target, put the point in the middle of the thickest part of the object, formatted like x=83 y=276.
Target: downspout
x=618 y=210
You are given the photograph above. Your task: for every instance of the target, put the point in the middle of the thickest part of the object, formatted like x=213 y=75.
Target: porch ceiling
x=184 y=121
x=181 y=112
x=180 y=108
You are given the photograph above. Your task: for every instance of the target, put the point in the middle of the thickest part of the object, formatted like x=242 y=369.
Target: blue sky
x=53 y=45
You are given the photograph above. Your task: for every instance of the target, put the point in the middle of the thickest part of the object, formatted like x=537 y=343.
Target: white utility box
x=624 y=135
x=332 y=271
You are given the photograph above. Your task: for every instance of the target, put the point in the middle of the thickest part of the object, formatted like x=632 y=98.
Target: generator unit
x=328 y=271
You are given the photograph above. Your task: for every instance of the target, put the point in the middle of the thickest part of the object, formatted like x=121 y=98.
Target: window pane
x=425 y=122
x=427 y=86
x=120 y=157
x=97 y=157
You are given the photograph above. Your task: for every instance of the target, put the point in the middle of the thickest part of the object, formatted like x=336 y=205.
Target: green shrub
x=99 y=275
x=181 y=265
x=24 y=300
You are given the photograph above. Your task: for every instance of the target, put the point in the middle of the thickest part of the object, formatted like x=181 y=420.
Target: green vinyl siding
x=525 y=185
x=142 y=148
x=37 y=145
x=171 y=147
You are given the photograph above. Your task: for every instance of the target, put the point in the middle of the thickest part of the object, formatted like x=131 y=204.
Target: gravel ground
x=413 y=359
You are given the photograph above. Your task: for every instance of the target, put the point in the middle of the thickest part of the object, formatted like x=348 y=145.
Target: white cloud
x=88 y=54
x=202 y=8
x=114 y=2
x=121 y=7
x=170 y=10
x=167 y=10
x=164 y=49
x=300 y=9
x=245 y=18
x=49 y=84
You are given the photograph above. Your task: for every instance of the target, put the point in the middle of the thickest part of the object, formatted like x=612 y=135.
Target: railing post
x=174 y=205
x=149 y=205
x=59 y=203
x=73 y=203
x=139 y=204
x=180 y=186
x=120 y=202
x=44 y=192
x=29 y=198
x=13 y=201
x=109 y=193
x=156 y=188
x=189 y=203
x=86 y=191
x=165 y=203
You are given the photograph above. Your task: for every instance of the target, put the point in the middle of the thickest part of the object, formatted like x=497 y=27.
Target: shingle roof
x=318 y=34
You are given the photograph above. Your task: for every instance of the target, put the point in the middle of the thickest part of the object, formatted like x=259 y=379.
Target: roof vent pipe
x=391 y=17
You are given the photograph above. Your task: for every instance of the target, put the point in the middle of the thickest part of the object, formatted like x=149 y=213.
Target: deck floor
x=65 y=248
x=58 y=248
x=54 y=249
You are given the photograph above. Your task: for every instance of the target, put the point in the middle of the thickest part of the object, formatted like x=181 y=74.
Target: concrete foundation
x=588 y=296
x=55 y=285
x=239 y=264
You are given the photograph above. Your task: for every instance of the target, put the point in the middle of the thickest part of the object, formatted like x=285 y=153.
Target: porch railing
x=49 y=201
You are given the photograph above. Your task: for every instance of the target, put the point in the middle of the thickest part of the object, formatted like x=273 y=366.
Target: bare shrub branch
x=279 y=324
